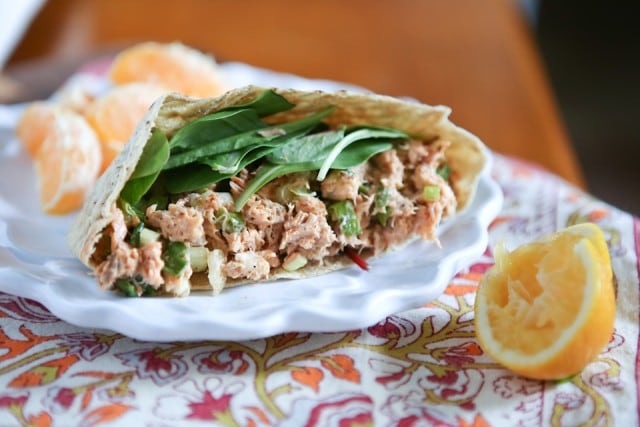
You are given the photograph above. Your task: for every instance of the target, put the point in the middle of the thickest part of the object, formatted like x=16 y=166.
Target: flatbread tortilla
x=466 y=155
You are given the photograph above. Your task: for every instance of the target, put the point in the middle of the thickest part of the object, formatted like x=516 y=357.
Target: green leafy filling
x=381 y=206
x=134 y=287
x=175 y=258
x=344 y=214
x=229 y=222
x=154 y=155
x=444 y=171
x=219 y=145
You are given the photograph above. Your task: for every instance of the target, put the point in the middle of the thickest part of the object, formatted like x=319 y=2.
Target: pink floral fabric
x=416 y=368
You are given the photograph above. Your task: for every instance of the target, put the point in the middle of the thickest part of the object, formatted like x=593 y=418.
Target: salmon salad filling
x=231 y=199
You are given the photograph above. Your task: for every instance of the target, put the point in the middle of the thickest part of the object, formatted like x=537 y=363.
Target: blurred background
x=589 y=51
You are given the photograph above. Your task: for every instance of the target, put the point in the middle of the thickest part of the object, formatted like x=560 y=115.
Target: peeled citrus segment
x=547 y=309
x=34 y=124
x=175 y=66
x=67 y=163
x=115 y=115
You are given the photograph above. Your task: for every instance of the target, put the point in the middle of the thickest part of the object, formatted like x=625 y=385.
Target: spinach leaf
x=219 y=145
x=316 y=147
x=366 y=133
x=267 y=173
x=266 y=104
x=213 y=127
x=233 y=162
x=225 y=162
x=154 y=155
x=129 y=210
x=351 y=156
x=359 y=153
x=239 y=161
x=229 y=121
x=196 y=176
x=190 y=178
x=308 y=148
x=247 y=139
x=136 y=188
x=215 y=168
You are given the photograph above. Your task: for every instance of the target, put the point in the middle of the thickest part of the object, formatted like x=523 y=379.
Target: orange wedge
x=174 y=66
x=115 y=115
x=547 y=309
x=67 y=163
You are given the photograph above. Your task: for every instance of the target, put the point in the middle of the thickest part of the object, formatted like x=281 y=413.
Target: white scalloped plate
x=36 y=263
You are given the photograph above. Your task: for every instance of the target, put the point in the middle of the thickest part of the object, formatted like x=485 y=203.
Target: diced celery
x=431 y=193
x=148 y=236
x=198 y=256
x=296 y=262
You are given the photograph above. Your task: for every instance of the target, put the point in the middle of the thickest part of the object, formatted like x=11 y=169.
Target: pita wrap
x=97 y=225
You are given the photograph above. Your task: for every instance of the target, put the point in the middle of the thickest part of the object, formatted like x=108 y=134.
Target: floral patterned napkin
x=419 y=367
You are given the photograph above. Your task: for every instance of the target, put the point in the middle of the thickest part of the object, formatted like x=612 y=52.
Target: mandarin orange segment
x=115 y=115
x=34 y=125
x=175 y=66
x=547 y=309
x=67 y=164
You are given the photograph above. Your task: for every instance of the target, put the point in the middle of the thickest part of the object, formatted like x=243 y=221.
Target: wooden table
x=477 y=57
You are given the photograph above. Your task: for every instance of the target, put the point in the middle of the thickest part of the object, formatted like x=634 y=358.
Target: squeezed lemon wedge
x=547 y=309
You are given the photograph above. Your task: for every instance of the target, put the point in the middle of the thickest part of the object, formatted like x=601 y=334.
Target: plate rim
x=114 y=313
